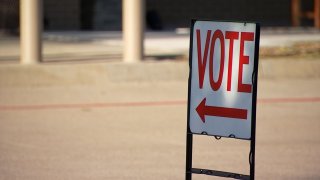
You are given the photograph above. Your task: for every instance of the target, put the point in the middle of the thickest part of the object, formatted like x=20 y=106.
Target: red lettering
x=231 y=35
x=202 y=58
x=245 y=36
x=202 y=62
x=217 y=35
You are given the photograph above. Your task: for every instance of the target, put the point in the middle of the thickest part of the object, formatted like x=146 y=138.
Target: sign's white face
x=221 y=78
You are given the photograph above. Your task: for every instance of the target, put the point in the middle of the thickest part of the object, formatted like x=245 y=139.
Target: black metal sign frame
x=189 y=139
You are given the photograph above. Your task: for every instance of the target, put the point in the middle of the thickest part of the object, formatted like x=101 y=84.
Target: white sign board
x=221 y=88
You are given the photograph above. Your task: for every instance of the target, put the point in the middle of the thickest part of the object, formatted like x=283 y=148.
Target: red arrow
x=204 y=110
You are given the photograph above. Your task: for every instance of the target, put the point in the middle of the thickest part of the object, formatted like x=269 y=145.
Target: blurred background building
x=164 y=14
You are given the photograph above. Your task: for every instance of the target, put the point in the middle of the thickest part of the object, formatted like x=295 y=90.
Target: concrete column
x=133 y=15
x=30 y=31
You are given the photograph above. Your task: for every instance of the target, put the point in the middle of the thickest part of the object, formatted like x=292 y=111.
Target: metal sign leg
x=189 y=156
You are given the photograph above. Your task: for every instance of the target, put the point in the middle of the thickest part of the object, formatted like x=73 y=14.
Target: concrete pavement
x=107 y=46
x=136 y=130
x=108 y=120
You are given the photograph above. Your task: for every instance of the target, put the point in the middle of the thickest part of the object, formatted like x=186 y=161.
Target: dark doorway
x=86 y=14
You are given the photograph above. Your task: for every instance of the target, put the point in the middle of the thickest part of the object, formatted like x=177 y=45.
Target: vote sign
x=222 y=82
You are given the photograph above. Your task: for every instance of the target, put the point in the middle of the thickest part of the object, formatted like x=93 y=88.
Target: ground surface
x=137 y=131
x=107 y=46
x=107 y=121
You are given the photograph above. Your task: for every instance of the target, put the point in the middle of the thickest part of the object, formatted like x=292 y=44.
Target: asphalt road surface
x=137 y=131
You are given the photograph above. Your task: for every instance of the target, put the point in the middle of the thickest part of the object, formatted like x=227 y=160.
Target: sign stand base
x=190 y=170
